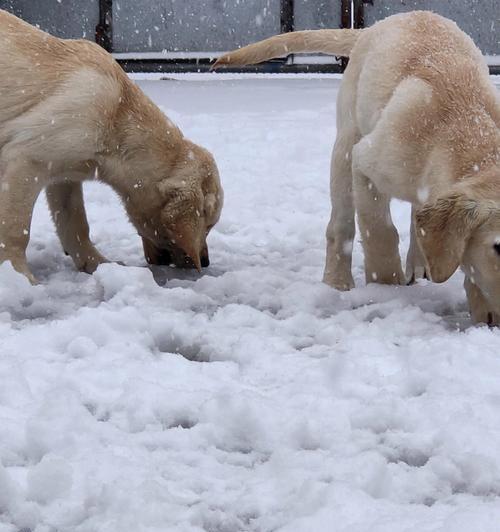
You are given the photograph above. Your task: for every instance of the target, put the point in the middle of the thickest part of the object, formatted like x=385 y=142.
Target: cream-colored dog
x=69 y=113
x=418 y=119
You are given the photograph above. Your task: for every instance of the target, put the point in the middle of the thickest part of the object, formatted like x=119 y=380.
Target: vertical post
x=359 y=13
x=345 y=14
x=287 y=16
x=104 y=30
x=345 y=23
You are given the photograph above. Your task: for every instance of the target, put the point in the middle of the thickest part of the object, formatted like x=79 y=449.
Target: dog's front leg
x=20 y=184
x=378 y=234
x=415 y=261
x=480 y=310
x=68 y=212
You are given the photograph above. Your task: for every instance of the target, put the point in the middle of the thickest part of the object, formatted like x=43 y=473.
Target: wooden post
x=359 y=12
x=287 y=17
x=345 y=23
x=104 y=30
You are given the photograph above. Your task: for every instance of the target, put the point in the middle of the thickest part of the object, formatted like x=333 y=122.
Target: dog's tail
x=333 y=42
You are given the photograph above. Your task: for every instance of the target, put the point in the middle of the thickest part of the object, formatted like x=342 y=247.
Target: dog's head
x=189 y=203
x=460 y=231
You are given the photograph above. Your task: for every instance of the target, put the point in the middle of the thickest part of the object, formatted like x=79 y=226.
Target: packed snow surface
x=251 y=397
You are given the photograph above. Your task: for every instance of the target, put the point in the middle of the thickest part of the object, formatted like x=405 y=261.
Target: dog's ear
x=181 y=215
x=443 y=229
x=186 y=233
x=179 y=199
x=171 y=190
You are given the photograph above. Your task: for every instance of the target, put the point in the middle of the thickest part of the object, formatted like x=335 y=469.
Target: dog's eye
x=496 y=247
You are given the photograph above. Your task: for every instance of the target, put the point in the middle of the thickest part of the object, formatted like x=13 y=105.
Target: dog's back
x=33 y=63
x=53 y=89
x=419 y=44
x=424 y=46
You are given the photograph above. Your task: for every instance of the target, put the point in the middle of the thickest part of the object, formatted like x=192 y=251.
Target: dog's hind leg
x=341 y=227
x=379 y=235
x=68 y=212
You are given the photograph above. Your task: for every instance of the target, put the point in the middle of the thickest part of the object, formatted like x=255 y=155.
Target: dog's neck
x=141 y=149
x=467 y=150
x=483 y=183
x=474 y=144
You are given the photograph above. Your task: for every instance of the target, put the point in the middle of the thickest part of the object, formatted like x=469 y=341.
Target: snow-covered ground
x=252 y=397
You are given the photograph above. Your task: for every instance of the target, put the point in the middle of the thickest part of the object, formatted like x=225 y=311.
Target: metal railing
x=168 y=36
x=352 y=15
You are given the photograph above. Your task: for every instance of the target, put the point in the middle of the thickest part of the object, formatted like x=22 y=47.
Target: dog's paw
x=480 y=308
x=415 y=265
x=488 y=317
x=342 y=283
x=493 y=319
x=31 y=278
x=393 y=276
x=415 y=272
x=21 y=266
x=480 y=313
x=89 y=262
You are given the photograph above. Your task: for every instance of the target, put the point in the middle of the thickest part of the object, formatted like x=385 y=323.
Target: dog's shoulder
x=89 y=54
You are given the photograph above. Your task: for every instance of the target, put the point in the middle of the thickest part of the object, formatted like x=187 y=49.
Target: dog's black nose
x=205 y=262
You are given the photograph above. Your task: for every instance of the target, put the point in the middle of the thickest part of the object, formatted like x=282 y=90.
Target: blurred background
x=185 y=35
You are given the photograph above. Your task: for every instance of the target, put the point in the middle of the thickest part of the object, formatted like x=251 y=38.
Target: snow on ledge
x=301 y=59
x=164 y=54
x=492 y=60
x=222 y=76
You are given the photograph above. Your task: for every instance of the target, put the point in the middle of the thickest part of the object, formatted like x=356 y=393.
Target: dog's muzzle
x=171 y=255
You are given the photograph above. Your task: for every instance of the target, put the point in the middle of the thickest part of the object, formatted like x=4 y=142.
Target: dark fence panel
x=192 y=25
x=176 y=31
x=317 y=14
x=70 y=19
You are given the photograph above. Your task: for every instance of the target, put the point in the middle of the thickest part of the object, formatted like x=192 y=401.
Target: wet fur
x=70 y=113
x=418 y=119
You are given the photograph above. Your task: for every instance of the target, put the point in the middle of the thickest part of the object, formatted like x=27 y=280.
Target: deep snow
x=253 y=397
